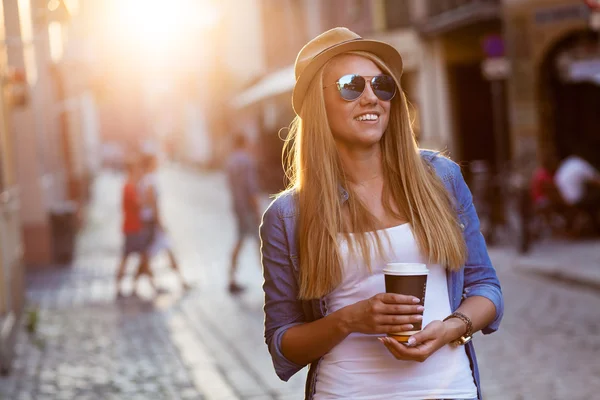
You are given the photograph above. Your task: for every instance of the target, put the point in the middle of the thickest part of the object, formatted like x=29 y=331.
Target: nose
x=368 y=96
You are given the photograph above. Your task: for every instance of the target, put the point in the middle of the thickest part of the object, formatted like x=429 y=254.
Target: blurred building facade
x=492 y=80
x=13 y=93
x=554 y=85
x=42 y=152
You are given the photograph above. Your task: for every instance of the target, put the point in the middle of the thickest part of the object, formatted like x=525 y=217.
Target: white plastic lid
x=405 y=269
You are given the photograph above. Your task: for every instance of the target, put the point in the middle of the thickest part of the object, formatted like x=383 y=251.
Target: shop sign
x=495 y=68
x=585 y=71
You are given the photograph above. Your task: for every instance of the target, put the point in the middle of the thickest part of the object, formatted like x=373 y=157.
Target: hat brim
x=384 y=51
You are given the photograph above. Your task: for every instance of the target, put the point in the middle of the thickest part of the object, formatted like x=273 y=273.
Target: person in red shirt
x=545 y=196
x=136 y=237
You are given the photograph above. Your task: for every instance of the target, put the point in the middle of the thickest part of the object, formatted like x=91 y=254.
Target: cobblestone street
x=204 y=344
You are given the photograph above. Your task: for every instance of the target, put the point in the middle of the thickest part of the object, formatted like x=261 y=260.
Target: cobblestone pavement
x=206 y=344
x=100 y=352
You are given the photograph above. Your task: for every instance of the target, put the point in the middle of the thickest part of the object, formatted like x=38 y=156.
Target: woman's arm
x=437 y=334
x=282 y=308
x=381 y=314
x=479 y=309
x=305 y=343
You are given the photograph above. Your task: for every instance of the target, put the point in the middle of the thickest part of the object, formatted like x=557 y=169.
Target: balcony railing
x=437 y=7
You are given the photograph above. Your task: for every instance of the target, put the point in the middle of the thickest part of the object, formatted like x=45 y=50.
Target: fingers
x=396 y=328
x=431 y=332
x=401 y=351
x=401 y=309
x=393 y=298
x=393 y=319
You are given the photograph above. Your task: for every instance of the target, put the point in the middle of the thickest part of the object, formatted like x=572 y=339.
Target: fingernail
x=415 y=300
x=411 y=341
x=420 y=308
x=419 y=317
x=409 y=326
x=380 y=339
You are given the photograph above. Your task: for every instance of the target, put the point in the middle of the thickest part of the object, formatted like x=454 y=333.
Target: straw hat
x=328 y=45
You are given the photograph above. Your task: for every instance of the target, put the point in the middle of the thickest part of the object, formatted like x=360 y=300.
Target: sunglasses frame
x=337 y=84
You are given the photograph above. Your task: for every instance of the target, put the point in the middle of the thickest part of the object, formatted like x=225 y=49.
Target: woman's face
x=349 y=129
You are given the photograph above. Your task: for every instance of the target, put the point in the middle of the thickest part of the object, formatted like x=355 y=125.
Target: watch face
x=462 y=340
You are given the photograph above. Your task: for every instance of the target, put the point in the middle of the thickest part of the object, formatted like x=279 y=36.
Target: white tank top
x=360 y=367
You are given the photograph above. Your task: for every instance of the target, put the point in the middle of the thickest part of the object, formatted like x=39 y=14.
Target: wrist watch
x=466 y=338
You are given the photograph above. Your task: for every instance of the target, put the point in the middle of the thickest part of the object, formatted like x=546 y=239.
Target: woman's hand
x=382 y=313
x=421 y=345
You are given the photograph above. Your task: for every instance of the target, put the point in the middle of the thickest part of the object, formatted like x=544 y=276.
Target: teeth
x=367 y=117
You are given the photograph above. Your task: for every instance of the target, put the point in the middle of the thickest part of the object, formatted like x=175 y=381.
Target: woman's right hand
x=383 y=313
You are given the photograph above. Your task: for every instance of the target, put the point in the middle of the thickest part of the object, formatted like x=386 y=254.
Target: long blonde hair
x=316 y=175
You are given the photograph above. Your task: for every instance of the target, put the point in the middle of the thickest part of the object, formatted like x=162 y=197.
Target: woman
x=363 y=195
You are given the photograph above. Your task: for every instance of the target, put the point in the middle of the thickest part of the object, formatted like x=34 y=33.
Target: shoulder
x=283 y=206
x=446 y=169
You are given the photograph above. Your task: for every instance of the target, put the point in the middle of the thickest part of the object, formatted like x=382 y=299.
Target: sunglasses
x=352 y=86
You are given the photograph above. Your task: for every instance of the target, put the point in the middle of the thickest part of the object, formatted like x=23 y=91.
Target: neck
x=362 y=165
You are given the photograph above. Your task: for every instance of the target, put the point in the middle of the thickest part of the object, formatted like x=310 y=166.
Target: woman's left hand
x=421 y=345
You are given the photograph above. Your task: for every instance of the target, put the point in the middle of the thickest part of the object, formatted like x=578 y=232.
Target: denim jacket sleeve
x=282 y=308
x=479 y=275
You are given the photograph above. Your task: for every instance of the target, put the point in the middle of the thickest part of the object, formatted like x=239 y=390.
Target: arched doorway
x=569 y=94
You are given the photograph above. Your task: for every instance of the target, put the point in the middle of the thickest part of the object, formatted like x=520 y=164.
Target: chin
x=370 y=137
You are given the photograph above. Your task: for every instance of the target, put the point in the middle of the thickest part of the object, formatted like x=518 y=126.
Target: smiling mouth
x=367 y=117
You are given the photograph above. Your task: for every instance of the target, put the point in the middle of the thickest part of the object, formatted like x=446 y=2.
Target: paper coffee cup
x=409 y=279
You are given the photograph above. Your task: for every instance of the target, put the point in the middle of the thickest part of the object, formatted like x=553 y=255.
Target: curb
x=586 y=277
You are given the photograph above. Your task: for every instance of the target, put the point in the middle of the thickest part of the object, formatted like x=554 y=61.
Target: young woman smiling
x=363 y=194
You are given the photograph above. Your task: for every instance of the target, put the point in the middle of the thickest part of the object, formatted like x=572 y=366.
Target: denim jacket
x=280 y=262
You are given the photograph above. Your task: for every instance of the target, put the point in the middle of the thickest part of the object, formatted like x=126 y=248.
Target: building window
x=397 y=14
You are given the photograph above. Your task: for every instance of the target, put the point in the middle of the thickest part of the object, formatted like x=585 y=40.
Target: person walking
x=363 y=194
x=158 y=239
x=579 y=185
x=243 y=184
x=136 y=237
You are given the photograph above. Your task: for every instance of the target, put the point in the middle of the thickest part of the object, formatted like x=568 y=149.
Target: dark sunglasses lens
x=384 y=87
x=351 y=86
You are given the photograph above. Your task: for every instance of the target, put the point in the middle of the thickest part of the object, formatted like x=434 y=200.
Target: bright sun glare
x=158 y=25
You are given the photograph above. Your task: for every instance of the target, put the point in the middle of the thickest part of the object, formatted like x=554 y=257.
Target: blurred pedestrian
x=242 y=178
x=546 y=199
x=136 y=237
x=158 y=239
x=363 y=194
x=579 y=184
